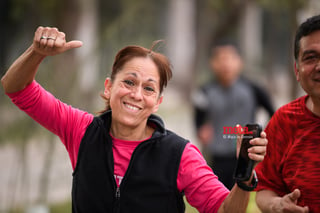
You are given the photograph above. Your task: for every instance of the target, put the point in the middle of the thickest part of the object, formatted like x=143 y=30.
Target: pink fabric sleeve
x=63 y=120
x=201 y=186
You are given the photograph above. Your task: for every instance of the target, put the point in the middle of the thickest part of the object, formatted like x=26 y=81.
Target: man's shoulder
x=295 y=104
x=293 y=110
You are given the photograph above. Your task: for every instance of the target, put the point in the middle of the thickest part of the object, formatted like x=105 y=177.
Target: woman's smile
x=131 y=107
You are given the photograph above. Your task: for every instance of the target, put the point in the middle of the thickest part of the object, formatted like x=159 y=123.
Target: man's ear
x=107 y=87
x=296 y=70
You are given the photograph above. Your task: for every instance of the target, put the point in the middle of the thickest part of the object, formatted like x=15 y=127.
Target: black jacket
x=150 y=182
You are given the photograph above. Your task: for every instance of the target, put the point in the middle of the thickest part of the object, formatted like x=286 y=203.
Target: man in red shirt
x=289 y=176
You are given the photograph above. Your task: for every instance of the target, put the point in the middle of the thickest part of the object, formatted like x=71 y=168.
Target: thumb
x=306 y=209
x=73 y=44
x=295 y=195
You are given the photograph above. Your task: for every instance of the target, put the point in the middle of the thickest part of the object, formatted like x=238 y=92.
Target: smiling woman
x=124 y=160
x=157 y=62
x=133 y=96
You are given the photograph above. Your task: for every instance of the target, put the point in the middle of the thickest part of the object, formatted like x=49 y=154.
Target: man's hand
x=288 y=203
x=50 y=41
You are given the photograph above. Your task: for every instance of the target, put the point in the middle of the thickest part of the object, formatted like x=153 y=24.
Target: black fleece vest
x=150 y=183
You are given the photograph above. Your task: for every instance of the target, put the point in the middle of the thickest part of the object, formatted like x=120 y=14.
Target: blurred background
x=35 y=171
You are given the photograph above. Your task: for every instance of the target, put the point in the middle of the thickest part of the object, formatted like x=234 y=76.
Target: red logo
x=238 y=129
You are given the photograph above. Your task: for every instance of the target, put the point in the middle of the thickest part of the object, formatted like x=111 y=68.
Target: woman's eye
x=149 y=89
x=128 y=82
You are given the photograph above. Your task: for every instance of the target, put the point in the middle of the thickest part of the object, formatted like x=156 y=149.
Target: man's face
x=226 y=64
x=307 y=67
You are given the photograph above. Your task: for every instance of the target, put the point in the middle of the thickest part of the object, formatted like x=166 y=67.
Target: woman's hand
x=258 y=149
x=50 y=41
x=238 y=198
x=47 y=41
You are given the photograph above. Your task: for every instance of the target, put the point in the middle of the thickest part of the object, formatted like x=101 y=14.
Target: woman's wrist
x=249 y=185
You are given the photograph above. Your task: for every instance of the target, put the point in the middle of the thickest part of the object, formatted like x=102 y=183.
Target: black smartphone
x=244 y=164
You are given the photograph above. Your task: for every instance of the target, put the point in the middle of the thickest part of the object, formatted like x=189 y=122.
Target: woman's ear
x=107 y=87
x=156 y=107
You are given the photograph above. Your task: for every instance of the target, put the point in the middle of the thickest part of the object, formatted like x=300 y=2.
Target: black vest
x=150 y=182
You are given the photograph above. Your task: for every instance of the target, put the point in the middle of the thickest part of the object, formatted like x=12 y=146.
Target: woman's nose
x=136 y=93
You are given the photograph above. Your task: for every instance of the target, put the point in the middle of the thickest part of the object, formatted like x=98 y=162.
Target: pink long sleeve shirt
x=200 y=185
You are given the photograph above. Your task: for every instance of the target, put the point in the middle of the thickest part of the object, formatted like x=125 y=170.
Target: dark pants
x=224 y=168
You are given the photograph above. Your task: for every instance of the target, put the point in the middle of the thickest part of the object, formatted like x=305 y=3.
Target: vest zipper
x=118 y=193
x=116 y=208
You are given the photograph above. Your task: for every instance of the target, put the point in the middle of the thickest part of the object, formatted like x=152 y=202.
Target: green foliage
x=252 y=206
x=47 y=10
x=132 y=21
x=64 y=207
x=126 y=22
x=18 y=131
x=222 y=5
x=282 y=5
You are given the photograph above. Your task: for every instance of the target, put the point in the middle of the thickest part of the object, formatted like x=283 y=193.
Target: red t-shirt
x=293 y=154
x=195 y=178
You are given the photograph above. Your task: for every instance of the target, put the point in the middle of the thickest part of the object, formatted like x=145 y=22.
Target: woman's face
x=134 y=94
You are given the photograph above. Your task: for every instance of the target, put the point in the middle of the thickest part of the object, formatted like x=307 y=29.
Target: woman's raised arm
x=47 y=42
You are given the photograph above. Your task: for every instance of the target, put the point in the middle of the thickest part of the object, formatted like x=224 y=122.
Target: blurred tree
x=5 y=24
x=216 y=19
x=125 y=22
x=182 y=45
x=282 y=13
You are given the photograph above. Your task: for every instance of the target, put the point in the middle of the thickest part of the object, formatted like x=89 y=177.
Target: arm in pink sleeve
x=201 y=186
x=63 y=120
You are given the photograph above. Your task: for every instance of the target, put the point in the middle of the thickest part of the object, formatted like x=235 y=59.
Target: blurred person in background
x=221 y=104
x=124 y=160
x=290 y=174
